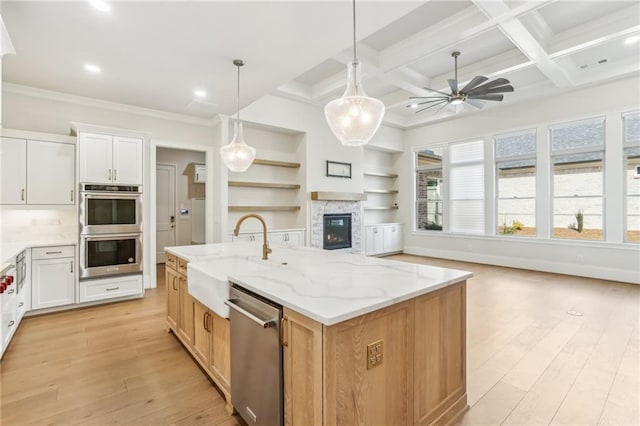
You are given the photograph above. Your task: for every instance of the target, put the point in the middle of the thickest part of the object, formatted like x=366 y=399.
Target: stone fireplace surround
x=321 y=207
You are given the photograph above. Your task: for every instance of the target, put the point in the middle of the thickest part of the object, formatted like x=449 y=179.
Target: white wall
x=610 y=259
x=321 y=144
x=181 y=159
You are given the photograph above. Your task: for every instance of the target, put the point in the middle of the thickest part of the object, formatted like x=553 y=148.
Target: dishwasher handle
x=264 y=324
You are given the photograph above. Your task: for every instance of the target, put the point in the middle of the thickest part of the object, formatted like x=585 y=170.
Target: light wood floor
x=528 y=361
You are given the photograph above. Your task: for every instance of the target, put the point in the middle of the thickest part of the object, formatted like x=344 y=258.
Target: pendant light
x=354 y=118
x=237 y=155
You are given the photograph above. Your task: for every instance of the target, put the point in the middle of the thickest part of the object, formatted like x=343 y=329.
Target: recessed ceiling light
x=102 y=6
x=632 y=39
x=92 y=68
x=414 y=105
x=200 y=93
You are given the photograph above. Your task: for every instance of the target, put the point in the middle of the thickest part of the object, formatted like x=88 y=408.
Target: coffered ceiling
x=156 y=54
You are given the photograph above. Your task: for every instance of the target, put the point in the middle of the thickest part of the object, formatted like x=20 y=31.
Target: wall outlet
x=374 y=354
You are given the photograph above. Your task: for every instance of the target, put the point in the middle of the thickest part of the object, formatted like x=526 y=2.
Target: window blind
x=466 y=187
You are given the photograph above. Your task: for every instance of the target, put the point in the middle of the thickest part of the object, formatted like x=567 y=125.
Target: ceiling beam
x=525 y=41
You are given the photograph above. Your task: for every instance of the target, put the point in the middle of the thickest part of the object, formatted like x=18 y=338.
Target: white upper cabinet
x=47 y=167
x=13 y=173
x=127 y=161
x=50 y=173
x=96 y=152
x=110 y=159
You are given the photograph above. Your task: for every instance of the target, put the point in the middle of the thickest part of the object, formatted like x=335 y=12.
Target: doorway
x=165 y=209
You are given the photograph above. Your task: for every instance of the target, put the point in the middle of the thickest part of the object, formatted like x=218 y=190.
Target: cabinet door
x=50 y=173
x=220 y=350
x=13 y=171
x=185 y=312
x=171 y=281
x=96 y=152
x=302 y=351
x=202 y=324
x=392 y=238
x=127 y=161
x=374 y=240
x=53 y=282
x=200 y=174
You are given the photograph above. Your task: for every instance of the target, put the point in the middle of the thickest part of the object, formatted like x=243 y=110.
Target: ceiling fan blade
x=497 y=98
x=436 y=91
x=431 y=106
x=474 y=103
x=495 y=83
x=453 y=84
x=501 y=89
x=441 y=108
x=428 y=97
x=432 y=101
x=476 y=81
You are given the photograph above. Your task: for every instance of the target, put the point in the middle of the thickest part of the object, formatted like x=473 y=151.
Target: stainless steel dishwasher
x=256 y=358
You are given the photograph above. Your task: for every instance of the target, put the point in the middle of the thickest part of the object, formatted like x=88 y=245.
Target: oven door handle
x=103 y=237
x=112 y=195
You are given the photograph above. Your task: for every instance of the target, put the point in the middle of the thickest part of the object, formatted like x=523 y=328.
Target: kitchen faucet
x=265 y=242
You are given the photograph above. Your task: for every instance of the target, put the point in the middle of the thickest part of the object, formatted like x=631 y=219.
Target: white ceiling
x=155 y=54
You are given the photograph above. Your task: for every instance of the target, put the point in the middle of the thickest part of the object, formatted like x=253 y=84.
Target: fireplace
x=336 y=231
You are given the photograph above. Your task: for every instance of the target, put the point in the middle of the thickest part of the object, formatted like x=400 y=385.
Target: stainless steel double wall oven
x=110 y=230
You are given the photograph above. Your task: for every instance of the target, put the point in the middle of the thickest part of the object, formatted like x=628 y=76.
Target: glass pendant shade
x=354 y=118
x=237 y=155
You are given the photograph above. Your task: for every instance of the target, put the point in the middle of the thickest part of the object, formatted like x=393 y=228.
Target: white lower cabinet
x=383 y=238
x=53 y=277
x=290 y=238
x=110 y=288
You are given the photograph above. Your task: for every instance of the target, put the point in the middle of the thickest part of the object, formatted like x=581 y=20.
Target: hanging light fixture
x=237 y=155
x=354 y=118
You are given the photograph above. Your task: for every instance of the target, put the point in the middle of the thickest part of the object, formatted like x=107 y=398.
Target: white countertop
x=9 y=250
x=327 y=286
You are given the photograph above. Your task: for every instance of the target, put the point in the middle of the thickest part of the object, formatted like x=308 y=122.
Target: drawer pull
x=20 y=305
x=11 y=323
x=22 y=195
x=54 y=252
x=112 y=288
x=71 y=263
x=11 y=291
x=72 y=195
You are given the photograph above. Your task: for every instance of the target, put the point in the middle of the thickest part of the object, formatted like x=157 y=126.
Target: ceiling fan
x=474 y=93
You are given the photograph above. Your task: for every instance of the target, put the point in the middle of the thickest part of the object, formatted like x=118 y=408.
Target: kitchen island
x=365 y=340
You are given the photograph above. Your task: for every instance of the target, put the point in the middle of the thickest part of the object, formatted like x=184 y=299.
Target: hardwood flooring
x=528 y=361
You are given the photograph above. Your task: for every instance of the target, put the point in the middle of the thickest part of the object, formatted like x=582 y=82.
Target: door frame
x=176 y=222
x=149 y=241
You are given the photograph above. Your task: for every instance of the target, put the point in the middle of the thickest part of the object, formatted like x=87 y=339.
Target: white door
x=165 y=209
x=51 y=172
x=95 y=158
x=127 y=161
x=13 y=171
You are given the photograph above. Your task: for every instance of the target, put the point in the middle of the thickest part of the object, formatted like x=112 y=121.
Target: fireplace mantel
x=337 y=196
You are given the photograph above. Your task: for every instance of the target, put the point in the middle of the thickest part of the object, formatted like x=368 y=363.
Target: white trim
x=38 y=136
x=584 y=270
x=176 y=228
x=98 y=103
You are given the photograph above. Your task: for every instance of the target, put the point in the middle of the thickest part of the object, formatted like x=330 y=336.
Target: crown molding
x=99 y=103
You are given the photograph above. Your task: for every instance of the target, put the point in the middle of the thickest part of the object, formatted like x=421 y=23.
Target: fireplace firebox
x=337 y=231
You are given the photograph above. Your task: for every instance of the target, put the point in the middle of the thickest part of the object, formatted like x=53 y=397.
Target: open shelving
x=263 y=208
x=263 y=185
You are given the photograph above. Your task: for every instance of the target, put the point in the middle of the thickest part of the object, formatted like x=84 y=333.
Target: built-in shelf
x=381 y=191
x=337 y=196
x=263 y=208
x=381 y=208
x=263 y=185
x=264 y=162
x=380 y=174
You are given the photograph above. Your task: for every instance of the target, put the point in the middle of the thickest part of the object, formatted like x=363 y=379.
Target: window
x=577 y=158
x=631 y=128
x=466 y=186
x=516 y=183
x=429 y=191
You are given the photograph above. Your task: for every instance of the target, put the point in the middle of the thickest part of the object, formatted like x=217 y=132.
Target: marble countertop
x=327 y=286
x=8 y=250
